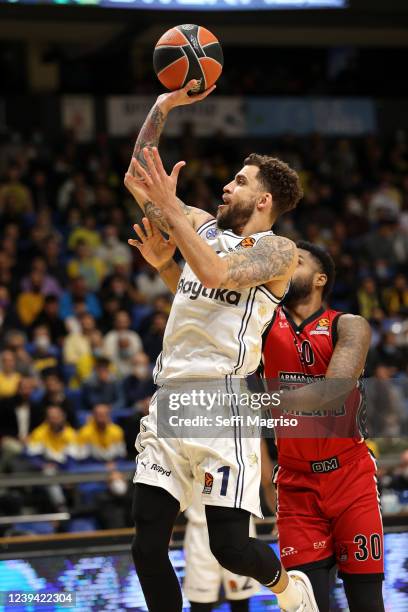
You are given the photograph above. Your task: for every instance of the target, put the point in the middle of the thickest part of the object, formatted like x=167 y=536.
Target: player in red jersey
x=328 y=508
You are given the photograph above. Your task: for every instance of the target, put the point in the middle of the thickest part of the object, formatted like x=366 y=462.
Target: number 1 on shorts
x=225 y=469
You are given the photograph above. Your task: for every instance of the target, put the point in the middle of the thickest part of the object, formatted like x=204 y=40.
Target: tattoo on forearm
x=351 y=349
x=156 y=216
x=149 y=135
x=270 y=259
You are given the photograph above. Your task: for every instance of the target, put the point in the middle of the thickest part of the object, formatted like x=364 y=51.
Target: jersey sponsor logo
x=319 y=545
x=160 y=469
x=297 y=378
x=211 y=233
x=194 y=289
x=326 y=465
x=322 y=327
x=208 y=483
x=288 y=550
x=246 y=243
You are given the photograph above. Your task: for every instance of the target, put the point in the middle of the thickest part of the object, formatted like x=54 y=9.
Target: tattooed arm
x=345 y=367
x=272 y=260
x=149 y=137
x=350 y=353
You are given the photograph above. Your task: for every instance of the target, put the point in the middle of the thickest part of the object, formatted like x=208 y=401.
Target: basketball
x=188 y=52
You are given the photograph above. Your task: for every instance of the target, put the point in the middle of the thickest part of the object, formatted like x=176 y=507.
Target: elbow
x=210 y=279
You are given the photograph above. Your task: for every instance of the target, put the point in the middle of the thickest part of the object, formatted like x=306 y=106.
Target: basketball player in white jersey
x=236 y=272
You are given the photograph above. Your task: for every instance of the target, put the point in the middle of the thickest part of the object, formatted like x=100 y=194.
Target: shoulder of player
x=271 y=241
x=352 y=327
x=199 y=218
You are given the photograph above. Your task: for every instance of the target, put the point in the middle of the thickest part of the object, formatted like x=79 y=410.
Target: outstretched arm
x=149 y=136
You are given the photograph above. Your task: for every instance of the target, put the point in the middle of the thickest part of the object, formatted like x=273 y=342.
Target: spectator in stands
x=19 y=416
x=55 y=395
x=118 y=287
x=86 y=362
x=113 y=507
x=87 y=232
x=149 y=283
x=368 y=300
x=112 y=249
x=49 y=285
x=52 y=252
x=16 y=341
x=139 y=383
x=77 y=342
x=44 y=354
x=78 y=291
x=100 y=439
x=15 y=198
x=7 y=278
x=380 y=243
x=122 y=343
x=111 y=306
x=85 y=264
x=153 y=340
x=31 y=302
x=49 y=316
x=102 y=386
x=54 y=440
x=389 y=354
x=396 y=297
x=9 y=375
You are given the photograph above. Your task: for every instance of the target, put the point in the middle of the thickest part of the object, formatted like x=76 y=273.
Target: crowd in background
x=82 y=316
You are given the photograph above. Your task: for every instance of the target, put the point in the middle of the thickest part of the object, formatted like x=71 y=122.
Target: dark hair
x=281 y=181
x=102 y=362
x=325 y=261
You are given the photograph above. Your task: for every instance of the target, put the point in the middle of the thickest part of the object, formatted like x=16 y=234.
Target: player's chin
x=222 y=215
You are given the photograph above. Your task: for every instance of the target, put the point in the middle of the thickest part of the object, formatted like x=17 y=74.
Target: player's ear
x=321 y=279
x=265 y=201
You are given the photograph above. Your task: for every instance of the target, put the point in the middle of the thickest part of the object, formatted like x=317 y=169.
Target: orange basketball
x=188 y=52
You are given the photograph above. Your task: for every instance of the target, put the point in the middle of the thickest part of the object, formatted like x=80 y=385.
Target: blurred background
x=323 y=86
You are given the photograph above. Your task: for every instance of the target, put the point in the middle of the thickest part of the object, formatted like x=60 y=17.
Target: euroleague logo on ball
x=188 y=52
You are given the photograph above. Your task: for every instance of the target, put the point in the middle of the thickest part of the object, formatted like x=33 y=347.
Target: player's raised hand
x=155 y=185
x=155 y=249
x=183 y=96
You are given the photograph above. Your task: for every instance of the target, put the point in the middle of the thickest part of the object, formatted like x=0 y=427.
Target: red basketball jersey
x=296 y=355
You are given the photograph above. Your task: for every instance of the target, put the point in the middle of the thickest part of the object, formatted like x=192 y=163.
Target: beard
x=235 y=216
x=298 y=291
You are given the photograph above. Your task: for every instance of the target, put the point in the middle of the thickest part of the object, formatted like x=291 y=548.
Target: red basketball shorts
x=333 y=515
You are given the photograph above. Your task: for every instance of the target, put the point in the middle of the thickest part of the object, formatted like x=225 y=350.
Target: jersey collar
x=299 y=328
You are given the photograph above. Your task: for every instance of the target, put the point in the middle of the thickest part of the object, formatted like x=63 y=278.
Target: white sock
x=291 y=598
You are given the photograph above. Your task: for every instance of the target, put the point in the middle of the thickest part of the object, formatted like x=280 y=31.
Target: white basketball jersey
x=212 y=333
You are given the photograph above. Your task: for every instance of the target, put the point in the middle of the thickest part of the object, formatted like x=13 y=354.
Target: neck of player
x=303 y=309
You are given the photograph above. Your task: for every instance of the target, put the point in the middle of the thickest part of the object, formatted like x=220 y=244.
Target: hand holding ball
x=188 y=52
